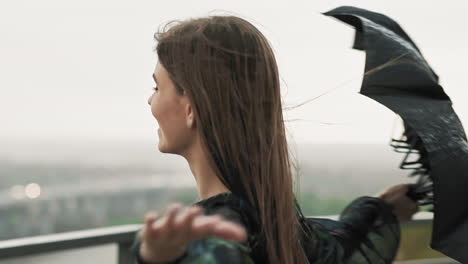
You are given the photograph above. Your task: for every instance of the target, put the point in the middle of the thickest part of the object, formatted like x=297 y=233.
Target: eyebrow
x=154 y=78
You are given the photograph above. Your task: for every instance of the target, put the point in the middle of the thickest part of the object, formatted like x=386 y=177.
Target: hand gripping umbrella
x=397 y=76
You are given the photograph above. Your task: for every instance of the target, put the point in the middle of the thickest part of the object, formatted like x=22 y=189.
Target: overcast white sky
x=80 y=70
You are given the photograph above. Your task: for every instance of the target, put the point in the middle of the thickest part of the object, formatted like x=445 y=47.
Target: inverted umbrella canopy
x=398 y=76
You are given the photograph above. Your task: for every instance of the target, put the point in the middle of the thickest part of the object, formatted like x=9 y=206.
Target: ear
x=190 y=116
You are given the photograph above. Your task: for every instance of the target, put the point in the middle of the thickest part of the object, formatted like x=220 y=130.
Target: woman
x=218 y=105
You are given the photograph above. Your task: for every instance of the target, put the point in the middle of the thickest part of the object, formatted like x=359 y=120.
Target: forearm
x=371 y=228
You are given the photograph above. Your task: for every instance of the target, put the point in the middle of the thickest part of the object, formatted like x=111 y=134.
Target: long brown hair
x=229 y=71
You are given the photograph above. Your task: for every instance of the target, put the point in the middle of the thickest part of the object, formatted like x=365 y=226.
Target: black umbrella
x=398 y=76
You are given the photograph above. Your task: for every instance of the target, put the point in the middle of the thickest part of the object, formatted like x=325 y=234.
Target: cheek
x=173 y=133
x=167 y=114
x=154 y=110
x=157 y=108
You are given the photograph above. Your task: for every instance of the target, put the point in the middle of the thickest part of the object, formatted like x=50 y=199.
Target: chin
x=165 y=147
x=162 y=147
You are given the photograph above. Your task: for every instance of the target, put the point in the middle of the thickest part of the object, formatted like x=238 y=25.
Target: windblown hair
x=228 y=69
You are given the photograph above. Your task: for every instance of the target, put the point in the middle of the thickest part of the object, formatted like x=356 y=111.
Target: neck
x=208 y=182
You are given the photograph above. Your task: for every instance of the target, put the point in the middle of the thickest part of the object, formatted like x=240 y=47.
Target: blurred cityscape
x=52 y=188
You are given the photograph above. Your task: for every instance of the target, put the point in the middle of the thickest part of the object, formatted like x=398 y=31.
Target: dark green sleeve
x=216 y=250
x=210 y=250
x=367 y=232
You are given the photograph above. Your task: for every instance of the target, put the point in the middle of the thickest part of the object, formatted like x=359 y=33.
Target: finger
x=162 y=227
x=397 y=192
x=414 y=207
x=183 y=223
x=380 y=195
x=202 y=226
x=216 y=225
x=149 y=220
x=150 y=217
x=172 y=212
x=230 y=231
x=407 y=187
x=399 y=188
x=409 y=215
x=390 y=191
x=185 y=219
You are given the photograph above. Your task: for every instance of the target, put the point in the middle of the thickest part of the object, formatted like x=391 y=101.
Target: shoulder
x=234 y=208
x=231 y=207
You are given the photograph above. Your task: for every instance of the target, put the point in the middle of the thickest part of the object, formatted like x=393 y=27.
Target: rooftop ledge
x=112 y=245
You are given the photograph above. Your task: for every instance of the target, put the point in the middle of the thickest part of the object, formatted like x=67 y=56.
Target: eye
x=156 y=88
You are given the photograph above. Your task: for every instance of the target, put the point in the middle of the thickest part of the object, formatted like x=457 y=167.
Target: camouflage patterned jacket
x=366 y=232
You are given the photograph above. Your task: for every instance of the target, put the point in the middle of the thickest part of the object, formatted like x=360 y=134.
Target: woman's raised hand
x=396 y=196
x=166 y=238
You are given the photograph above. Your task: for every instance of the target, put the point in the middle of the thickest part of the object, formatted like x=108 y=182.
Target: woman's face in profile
x=170 y=111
